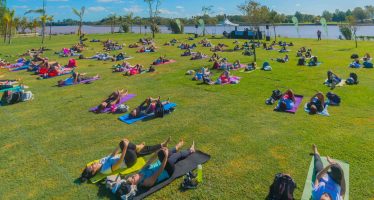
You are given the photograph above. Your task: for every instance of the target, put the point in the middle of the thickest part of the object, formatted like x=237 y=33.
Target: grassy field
x=45 y=143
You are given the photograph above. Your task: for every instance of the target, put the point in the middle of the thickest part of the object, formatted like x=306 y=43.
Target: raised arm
x=119 y=162
x=320 y=174
x=149 y=182
x=114 y=152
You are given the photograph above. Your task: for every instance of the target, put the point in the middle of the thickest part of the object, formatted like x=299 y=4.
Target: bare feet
x=180 y=144
x=165 y=144
x=192 y=148
x=315 y=151
x=140 y=146
x=331 y=161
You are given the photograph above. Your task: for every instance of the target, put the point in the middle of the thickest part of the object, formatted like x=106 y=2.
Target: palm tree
x=80 y=15
x=6 y=20
x=130 y=20
x=11 y=18
x=43 y=19
x=50 y=20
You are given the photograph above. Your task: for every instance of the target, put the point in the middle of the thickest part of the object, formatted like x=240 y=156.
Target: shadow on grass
x=345 y=49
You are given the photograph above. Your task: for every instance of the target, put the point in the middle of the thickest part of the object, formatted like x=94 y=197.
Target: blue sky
x=98 y=9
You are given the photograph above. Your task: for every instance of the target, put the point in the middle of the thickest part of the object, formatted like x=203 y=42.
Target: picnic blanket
x=140 y=162
x=121 y=101
x=182 y=167
x=307 y=193
x=130 y=120
x=298 y=99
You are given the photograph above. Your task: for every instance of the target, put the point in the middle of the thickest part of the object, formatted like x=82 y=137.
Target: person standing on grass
x=319 y=34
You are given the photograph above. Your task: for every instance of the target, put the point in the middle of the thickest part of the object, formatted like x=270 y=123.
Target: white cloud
x=134 y=9
x=167 y=12
x=20 y=7
x=96 y=9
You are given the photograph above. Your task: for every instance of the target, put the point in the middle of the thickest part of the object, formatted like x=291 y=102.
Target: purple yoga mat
x=232 y=78
x=82 y=82
x=170 y=61
x=298 y=99
x=122 y=100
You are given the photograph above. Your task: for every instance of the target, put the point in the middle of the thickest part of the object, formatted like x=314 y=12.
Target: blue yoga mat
x=129 y=120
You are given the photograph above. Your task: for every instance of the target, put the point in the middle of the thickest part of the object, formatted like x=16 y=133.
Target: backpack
x=282 y=188
x=160 y=111
x=10 y=97
x=333 y=98
x=353 y=79
x=354 y=56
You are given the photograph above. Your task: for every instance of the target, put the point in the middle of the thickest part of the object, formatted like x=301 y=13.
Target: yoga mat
x=20 y=68
x=122 y=100
x=165 y=63
x=325 y=112
x=140 y=162
x=307 y=193
x=65 y=73
x=82 y=82
x=130 y=120
x=181 y=168
x=11 y=89
x=241 y=66
x=298 y=99
x=243 y=71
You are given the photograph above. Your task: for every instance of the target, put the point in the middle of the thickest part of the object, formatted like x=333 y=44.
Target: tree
x=327 y=15
x=129 y=18
x=11 y=19
x=23 y=24
x=338 y=16
x=80 y=15
x=153 y=8
x=34 y=24
x=206 y=11
x=256 y=14
x=370 y=11
x=50 y=20
x=353 y=26
x=17 y=24
x=299 y=16
x=359 y=14
x=275 y=18
x=43 y=18
x=6 y=21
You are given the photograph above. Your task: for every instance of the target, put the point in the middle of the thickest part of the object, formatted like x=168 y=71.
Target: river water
x=284 y=31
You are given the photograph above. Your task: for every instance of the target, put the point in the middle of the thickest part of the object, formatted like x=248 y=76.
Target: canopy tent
x=227 y=22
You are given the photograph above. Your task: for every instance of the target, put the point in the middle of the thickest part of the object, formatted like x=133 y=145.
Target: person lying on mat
x=161 y=60
x=287 y=101
x=112 y=100
x=332 y=78
x=329 y=182
x=198 y=56
x=137 y=69
x=224 y=77
x=148 y=106
x=129 y=152
x=283 y=60
x=159 y=167
x=77 y=78
x=236 y=65
x=251 y=67
x=188 y=52
x=316 y=103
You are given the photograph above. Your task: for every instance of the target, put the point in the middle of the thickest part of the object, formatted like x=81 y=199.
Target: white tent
x=227 y=22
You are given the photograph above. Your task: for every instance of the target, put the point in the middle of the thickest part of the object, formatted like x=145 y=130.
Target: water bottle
x=199 y=177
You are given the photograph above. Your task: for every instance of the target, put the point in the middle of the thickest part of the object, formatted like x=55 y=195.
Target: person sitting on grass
x=159 y=167
x=332 y=79
x=161 y=60
x=367 y=63
x=129 y=152
x=313 y=61
x=214 y=57
x=112 y=100
x=308 y=54
x=366 y=57
x=287 y=101
x=188 y=52
x=237 y=48
x=224 y=77
x=283 y=49
x=316 y=103
x=329 y=183
x=148 y=106
x=198 y=56
x=251 y=67
x=301 y=61
x=355 y=63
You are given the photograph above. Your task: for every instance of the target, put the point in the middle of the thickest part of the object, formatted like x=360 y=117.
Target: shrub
x=346 y=32
x=125 y=27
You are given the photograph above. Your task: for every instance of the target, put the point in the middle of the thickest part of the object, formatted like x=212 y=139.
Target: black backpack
x=334 y=98
x=353 y=79
x=160 y=111
x=282 y=188
x=10 y=97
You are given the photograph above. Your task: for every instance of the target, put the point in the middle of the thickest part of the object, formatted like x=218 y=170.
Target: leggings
x=131 y=154
x=336 y=173
x=173 y=158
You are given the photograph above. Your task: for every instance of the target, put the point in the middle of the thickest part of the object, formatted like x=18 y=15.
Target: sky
x=98 y=9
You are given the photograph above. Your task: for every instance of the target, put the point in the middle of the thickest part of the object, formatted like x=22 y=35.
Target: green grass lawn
x=45 y=143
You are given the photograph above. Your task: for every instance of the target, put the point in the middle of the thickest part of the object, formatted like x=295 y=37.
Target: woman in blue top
x=159 y=167
x=329 y=183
